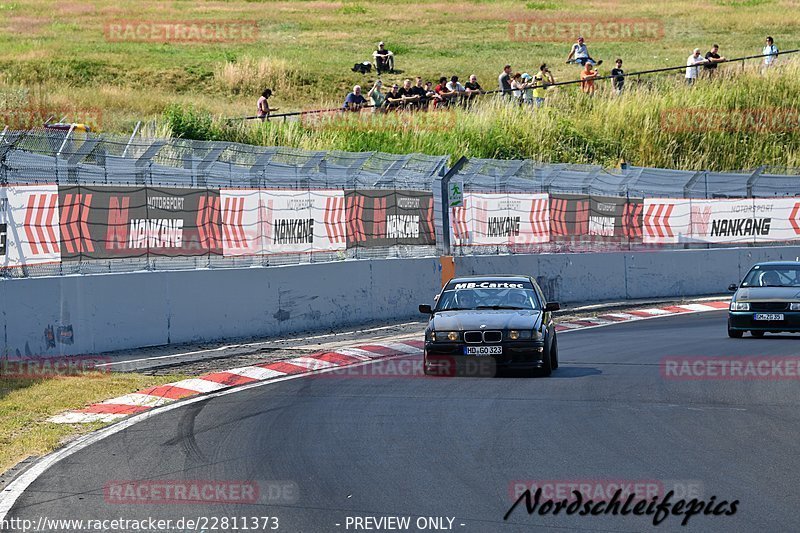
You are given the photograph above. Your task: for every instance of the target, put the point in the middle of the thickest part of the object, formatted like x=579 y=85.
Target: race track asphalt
x=363 y=445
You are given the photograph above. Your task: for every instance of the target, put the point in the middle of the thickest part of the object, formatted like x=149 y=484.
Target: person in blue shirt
x=354 y=101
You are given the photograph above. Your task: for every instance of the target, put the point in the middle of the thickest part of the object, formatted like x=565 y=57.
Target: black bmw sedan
x=482 y=325
x=767 y=300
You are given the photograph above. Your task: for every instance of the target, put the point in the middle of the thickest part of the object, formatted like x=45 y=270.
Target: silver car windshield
x=772 y=276
x=488 y=298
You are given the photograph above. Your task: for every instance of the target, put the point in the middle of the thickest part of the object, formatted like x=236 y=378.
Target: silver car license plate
x=483 y=350
x=771 y=317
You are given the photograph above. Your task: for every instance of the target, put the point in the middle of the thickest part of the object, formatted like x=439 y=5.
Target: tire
x=554 y=353
x=547 y=362
x=757 y=334
x=734 y=334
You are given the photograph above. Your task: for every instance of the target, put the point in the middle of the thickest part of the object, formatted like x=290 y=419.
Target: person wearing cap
x=527 y=88
x=580 y=54
x=691 y=66
x=384 y=59
x=263 y=105
x=394 y=99
x=354 y=101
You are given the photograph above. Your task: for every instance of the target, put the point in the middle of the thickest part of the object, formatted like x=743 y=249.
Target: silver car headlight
x=794 y=306
x=740 y=306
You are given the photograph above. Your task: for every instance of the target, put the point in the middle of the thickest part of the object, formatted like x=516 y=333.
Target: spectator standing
x=712 y=58
x=540 y=82
x=354 y=101
x=588 y=75
x=580 y=54
x=771 y=53
x=384 y=59
x=377 y=98
x=504 y=82
x=619 y=76
x=691 y=66
x=527 y=88
x=263 y=105
x=516 y=86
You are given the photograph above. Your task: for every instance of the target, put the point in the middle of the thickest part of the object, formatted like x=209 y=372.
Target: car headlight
x=430 y=335
x=740 y=306
x=443 y=336
x=794 y=306
x=519 y=334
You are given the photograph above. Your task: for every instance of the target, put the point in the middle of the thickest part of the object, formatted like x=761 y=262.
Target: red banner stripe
x=39 y=230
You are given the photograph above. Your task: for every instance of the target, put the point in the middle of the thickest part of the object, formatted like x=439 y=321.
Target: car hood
x=490 y=318
x=766 y=294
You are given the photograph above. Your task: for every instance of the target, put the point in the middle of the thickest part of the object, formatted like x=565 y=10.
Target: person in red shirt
x=445 y=94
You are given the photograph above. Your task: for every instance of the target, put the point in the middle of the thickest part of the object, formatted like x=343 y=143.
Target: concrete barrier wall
x=90 y=314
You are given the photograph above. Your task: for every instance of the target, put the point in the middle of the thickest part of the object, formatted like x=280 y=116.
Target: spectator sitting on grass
x=472 y=86
x=580 y=54
x=410 y=99
x=588 y=75
x=384 y=59
x=454 y=86
x=432 y=96
x=420 y=92
x=540 y=82
x=619 y=77
x=376 y=97
x=443 y=92
x=354 y=101
x=691 y=66
x=504 y=81
x=263 y=105
x=393 y=98
x=712 y=58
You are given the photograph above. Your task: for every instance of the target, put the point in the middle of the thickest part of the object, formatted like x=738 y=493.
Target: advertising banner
x=29 y=231
x=745 y=220
x=501 y=219
x=269 y=221
x=387 y=218
x=609 y=218
x=100 y=222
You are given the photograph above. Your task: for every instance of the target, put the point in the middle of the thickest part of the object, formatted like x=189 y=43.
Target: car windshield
x=489 y=298
x=772 y=276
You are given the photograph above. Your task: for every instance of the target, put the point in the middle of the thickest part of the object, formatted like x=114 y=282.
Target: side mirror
x=732 y=287
x=425 y=309
x=552 y=306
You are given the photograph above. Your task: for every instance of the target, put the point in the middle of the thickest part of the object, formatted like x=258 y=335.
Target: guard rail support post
x=441 y=206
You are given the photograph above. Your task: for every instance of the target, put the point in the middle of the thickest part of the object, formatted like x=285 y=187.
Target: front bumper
x=447 y=358
x=743 y=321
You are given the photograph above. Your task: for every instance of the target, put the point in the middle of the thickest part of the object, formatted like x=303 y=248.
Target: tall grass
x=250 y=75
x=754 y=122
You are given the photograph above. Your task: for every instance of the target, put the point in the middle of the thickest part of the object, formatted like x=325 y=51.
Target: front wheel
x=554 y=353
x=734 y=334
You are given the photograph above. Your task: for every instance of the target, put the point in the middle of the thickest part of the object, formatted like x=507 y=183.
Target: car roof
x=779 y=263
x=494 y=277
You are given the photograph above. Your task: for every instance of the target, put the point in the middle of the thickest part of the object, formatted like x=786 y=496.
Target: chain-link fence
x=81 y=203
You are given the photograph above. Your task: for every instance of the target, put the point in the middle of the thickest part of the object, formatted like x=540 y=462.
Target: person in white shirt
x=771 y=52
x=691 y=66
x=580 y=54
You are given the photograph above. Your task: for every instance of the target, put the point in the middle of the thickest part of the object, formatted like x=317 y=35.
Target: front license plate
x=483 y=350
x=773 y=317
